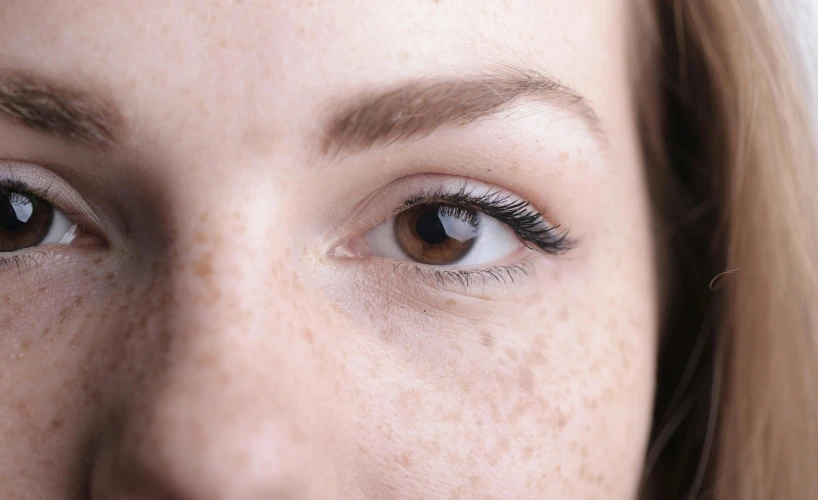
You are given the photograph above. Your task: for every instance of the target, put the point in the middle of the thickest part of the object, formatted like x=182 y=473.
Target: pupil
x=15 y=211
x=430 y=228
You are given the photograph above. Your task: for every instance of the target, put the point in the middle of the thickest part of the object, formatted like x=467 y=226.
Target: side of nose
x=236 y=410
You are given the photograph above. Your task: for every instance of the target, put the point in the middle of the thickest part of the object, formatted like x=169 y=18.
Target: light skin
x=224 y=326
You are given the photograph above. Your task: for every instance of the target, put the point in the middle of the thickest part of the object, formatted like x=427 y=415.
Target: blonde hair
x=730 y=157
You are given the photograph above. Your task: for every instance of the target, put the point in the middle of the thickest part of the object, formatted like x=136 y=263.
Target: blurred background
x=802 y=17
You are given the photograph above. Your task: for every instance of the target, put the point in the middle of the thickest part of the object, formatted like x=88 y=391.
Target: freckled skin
x=213 y=351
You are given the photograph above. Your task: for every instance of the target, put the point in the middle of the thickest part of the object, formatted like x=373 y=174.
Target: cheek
x=551 y=401
x=554 y=404
x=70 y=330
x=49 y=388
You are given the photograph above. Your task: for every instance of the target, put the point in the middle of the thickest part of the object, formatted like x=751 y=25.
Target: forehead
x=272 y=62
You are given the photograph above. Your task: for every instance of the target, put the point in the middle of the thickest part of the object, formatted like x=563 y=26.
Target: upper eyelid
x=47 y=185
x=495 y=203
x=389 y=199
x=45 y=194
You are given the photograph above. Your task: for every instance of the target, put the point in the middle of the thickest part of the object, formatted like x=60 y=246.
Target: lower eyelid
x=469 y=281
x=24 y=261
x=513 y=272
x=32 y=258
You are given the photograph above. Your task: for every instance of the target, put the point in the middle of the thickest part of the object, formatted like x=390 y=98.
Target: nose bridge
x=231 y=275
x=232 y=413
x=232 y=313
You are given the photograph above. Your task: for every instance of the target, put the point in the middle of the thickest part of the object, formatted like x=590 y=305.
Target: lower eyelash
x=25 y=261
x=468 y=278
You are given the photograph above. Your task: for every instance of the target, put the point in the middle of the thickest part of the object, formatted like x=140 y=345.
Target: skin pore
x=225 y=328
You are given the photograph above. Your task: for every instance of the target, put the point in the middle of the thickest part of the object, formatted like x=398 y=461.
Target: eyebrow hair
x=410 y=110
x=58 y=109
x=417 y=108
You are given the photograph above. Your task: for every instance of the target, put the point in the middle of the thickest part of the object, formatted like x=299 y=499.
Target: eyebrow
x=406 y=111
x=58 y=109
x=417 y=108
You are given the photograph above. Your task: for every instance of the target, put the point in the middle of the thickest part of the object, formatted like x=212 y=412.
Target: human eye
x=33 y=224
x=462 y=230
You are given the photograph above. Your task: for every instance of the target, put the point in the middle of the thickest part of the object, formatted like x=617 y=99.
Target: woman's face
x=256 y=249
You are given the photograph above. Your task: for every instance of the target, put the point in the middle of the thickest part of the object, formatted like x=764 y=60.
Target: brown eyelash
x=25 y=261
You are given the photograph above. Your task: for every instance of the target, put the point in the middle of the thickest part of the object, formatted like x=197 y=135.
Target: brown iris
x=24 y=220
x=436 y=234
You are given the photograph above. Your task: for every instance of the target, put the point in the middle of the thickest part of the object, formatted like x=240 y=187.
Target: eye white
x=494 y=241
x=62 y=230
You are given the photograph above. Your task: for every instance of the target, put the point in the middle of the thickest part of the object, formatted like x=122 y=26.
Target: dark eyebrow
x=58 y=109
x=417 y=108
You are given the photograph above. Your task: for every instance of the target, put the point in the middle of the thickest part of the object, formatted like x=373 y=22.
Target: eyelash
x=25 y=261
x=17 y=186
x=528 y=223
x=467 y=278
x=31 y=257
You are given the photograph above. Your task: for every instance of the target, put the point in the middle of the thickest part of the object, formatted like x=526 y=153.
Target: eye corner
x=351 y=249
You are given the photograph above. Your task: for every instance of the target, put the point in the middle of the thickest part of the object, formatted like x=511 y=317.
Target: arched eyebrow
x=403 y=112
x=417 y=108
x=59 y=109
